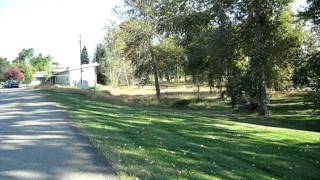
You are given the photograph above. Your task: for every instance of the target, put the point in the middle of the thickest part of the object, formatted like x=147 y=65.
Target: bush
x=181 y=103
x=314 y=98
x=14 y=74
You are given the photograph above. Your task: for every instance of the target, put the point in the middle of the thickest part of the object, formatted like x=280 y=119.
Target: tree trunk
x=125 y=72
x=177 y=73
x=230 y=87
x=156 y=80
x=132 y=76
x=198 y=91
x=185 y=74
x=117 y=79
x=232 y=93
x=155 y=72
x=111 y=76
x=261 y=59
x=210 y=82
x=262 y=94
x=133 y=82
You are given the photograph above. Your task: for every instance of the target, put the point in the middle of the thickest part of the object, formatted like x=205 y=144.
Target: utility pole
x=80 y=63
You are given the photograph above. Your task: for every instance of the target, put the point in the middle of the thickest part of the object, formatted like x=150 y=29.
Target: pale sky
x=52 y=27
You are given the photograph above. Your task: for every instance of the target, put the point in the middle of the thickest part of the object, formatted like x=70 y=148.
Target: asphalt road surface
x=38 y=142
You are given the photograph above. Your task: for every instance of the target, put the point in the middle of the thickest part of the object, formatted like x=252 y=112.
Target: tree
x=170 y=57
x=312 y=65
x=314 y=75
x=114 y=67
x=100 y=57
x=140 y=32
x=25 y=55
x=210 y=36
x=312 y=13
x=42 y=63
x=84 y=56
x=300 y=77
x=28 y=63
x=241 y=43
x=27 y=70
x=4 y=64
x=13 y=73
x=139 y=50
x=22 y=62
x=271 y=40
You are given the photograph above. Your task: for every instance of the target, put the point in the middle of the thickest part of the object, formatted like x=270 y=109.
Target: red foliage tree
x=14 y=73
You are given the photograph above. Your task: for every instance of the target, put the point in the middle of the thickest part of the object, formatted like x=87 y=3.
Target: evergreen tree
x=100 y=58
x=84 y=56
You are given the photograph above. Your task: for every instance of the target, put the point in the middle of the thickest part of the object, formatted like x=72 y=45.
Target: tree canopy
x=245 y=48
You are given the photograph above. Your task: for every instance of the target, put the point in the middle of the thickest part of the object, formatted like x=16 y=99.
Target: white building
x=39 y=77
x=73 y=76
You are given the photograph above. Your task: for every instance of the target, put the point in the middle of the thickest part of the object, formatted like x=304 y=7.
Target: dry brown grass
x=184 y=91
x=170 y=93
x=292 y=93
x=139 y=95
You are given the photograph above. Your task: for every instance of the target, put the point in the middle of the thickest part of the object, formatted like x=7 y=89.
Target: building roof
x=39 y=74
x=77 y=68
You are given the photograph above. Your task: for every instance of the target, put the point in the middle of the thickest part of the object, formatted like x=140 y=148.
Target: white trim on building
x=72 y=76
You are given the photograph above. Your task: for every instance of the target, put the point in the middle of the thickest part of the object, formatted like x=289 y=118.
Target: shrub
x=14 y=73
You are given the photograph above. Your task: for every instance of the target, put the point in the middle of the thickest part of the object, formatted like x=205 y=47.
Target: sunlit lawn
x=161 y=143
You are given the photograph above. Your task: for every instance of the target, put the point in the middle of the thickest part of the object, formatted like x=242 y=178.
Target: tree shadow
x=153 y=143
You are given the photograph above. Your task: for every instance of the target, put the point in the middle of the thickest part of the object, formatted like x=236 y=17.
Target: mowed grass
x=215 y=143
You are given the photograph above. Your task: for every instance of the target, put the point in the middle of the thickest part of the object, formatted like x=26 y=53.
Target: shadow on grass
x=285 y=112
x=158 y=143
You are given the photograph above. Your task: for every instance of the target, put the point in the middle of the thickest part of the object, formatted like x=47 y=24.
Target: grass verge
x=162 y=143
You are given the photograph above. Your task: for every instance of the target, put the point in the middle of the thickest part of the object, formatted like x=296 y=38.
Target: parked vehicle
x=11 y=84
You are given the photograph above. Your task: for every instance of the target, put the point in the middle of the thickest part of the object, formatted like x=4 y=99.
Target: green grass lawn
x=163 y=143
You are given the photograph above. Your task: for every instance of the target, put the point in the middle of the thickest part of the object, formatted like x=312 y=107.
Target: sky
x=52 y=27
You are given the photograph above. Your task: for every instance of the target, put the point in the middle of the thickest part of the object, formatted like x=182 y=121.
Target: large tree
x=225 y=38
x=140 y=32
x=270 y=39
x=209 y=34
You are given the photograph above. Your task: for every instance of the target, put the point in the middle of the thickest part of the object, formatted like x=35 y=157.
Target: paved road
x=37 y=142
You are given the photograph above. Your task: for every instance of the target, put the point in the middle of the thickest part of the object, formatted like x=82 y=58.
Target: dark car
x=11 y=84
